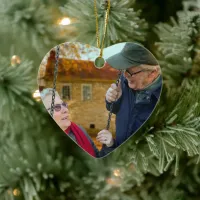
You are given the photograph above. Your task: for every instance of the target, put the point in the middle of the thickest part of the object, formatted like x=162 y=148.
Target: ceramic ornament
x=99 y=108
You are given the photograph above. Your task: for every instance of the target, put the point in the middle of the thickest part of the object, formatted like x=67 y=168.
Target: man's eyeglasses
x=57 y=107
x=131 y=74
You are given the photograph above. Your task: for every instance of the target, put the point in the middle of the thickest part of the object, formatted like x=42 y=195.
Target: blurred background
x=38 y=161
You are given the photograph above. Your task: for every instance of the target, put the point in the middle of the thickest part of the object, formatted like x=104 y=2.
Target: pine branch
x=33 y=166
x=179 y=48
x=193 y=6
x=172 y=130
x=18 y=109
x=124 y=23
x=166 y=135
x=160 y=149
x=30 y=25
x=112 y=180
x=164 y=187
x=14 y=82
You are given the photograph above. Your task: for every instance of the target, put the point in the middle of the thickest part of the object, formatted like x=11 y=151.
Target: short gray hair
x=47 y=91
x=151 y=67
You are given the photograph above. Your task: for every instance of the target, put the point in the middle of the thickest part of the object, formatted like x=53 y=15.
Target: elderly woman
x=77 y=133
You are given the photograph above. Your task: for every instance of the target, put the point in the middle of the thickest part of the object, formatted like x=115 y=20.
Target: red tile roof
x=69 y=69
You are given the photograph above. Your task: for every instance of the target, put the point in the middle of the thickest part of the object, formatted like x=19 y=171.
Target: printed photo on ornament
x=99 y=109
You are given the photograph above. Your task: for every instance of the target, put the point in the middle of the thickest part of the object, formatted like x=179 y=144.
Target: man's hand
x=114 y=92
x=105 y=137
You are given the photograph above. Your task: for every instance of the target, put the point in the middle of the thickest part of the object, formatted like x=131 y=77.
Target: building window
x=66 y=92
x=86 y=92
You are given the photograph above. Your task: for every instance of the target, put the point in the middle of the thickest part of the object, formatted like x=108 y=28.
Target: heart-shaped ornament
x=99 y=108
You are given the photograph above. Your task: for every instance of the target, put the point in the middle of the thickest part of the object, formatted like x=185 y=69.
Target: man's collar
x=154 y=87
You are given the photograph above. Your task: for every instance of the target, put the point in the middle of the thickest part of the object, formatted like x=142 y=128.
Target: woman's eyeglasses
x=57 y=107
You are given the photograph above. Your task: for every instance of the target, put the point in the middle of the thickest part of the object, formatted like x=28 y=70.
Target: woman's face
x=61 y=112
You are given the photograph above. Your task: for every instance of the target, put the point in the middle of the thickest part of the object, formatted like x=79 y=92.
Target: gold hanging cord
x=105 y=26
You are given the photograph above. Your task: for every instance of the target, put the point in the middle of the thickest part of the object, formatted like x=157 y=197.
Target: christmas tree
x=37 y=161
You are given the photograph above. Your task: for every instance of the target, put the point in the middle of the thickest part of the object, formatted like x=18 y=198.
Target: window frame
x=82 y=96
x=70 y=90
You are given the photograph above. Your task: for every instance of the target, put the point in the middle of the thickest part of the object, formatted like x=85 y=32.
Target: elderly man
x=137 y=93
